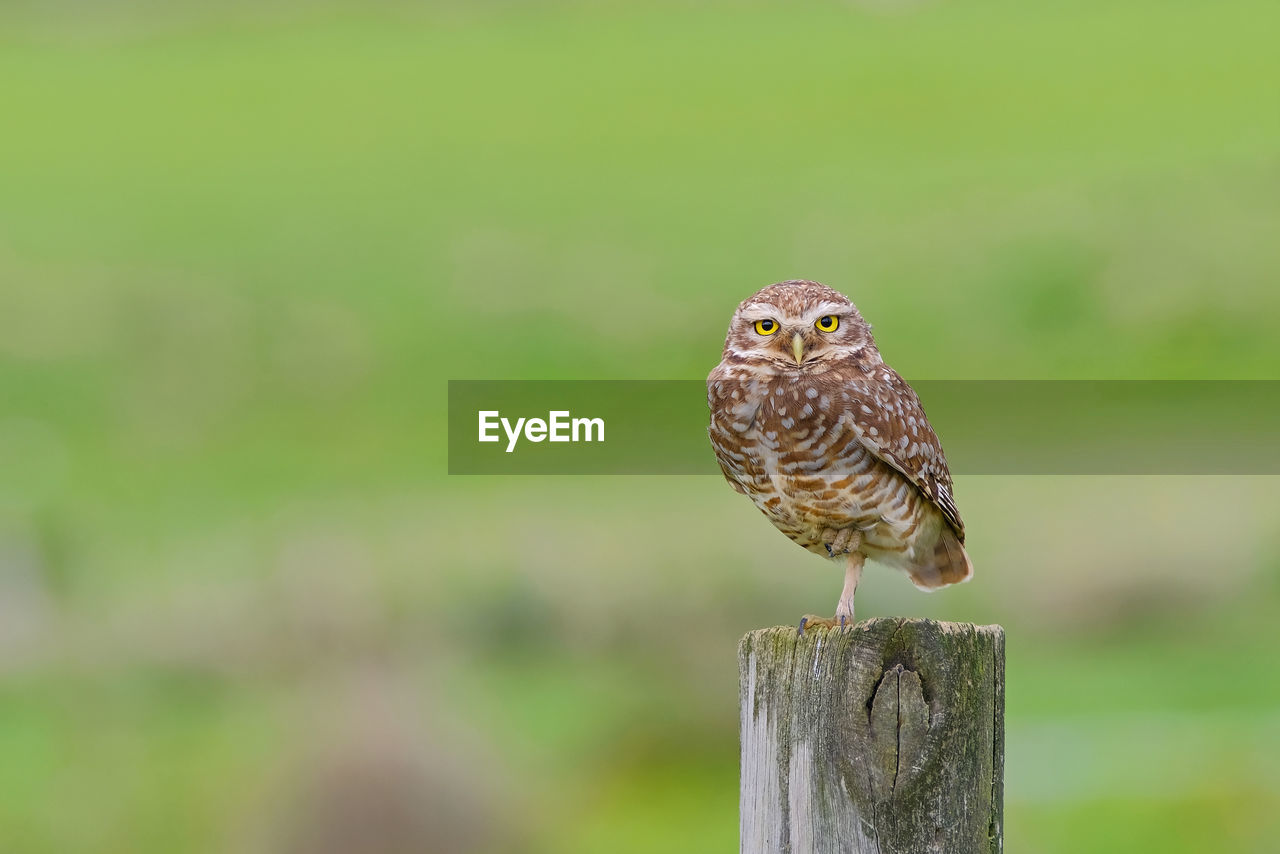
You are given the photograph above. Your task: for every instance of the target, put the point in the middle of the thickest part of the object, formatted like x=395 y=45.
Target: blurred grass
x=242 y=250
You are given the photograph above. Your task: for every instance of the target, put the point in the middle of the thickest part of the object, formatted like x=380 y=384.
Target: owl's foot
x=841 y=541
x=808 y=621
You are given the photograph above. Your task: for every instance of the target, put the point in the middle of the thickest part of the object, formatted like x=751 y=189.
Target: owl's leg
x=848 y=539
x=852 y=574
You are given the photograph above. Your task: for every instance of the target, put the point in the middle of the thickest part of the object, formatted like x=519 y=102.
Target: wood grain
x=887 y=737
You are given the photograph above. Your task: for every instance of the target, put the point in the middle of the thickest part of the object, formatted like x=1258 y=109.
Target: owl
x=830 y=443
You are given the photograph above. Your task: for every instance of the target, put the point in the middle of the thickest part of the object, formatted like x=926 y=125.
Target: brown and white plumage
x=829 y=442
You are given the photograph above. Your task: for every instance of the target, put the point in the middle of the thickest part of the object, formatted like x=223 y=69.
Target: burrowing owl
x=829 y=442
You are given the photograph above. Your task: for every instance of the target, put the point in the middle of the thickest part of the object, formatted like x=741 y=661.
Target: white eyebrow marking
x=827 y=307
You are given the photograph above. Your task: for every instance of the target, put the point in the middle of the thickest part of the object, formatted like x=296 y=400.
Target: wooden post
x=884 y=738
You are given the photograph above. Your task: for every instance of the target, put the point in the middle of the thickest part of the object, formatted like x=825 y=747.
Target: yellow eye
x=766 y=327
x=827 y=323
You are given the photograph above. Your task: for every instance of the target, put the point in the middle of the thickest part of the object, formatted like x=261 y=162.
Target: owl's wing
x=890 y=423
x=731 y=416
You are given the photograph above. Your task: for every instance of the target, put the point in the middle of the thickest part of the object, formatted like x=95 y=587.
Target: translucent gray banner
x=986 y=427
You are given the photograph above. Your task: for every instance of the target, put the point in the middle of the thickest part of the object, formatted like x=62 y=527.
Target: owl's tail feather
x=949 y=564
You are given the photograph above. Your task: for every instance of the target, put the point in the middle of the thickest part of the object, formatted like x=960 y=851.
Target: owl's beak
x=797 y=348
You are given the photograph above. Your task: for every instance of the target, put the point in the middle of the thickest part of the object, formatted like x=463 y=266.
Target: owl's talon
x=830 y=553
x=800 y=628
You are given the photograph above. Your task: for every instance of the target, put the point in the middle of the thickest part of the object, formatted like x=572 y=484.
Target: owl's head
x=799 y=326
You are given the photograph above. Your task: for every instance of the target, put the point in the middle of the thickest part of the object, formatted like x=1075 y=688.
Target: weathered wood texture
x=887 y=737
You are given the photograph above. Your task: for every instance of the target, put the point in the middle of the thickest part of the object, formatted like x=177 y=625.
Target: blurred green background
x=243 y=247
